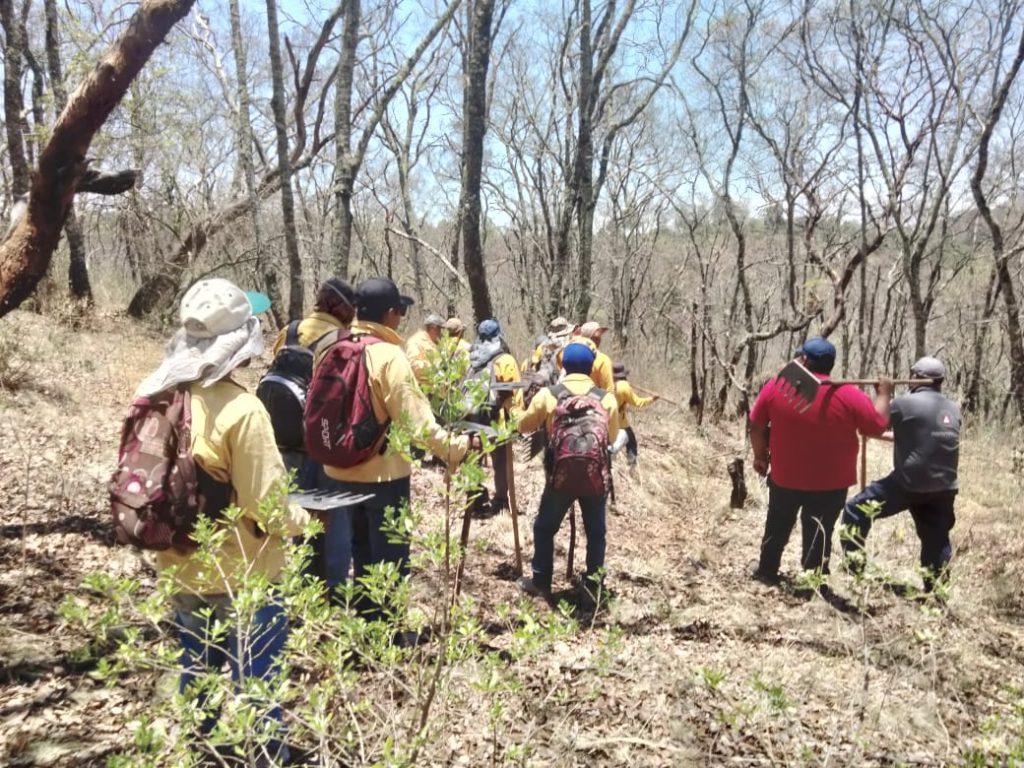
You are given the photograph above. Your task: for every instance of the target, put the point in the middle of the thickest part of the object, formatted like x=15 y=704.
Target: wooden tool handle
x=650 y=393
x=874 y=382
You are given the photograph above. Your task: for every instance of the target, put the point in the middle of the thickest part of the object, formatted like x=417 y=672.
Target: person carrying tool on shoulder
x=626 y=398
x=582 y=422
x=810 y=457
x=351 y=435
x=490 y=360
x=602 y=373
x=926 y=455
x=422 y=343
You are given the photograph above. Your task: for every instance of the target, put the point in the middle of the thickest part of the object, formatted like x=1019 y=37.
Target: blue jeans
x=256 y=656
x=553 y=506
x=933 y=519
x=332 y=551
x=370 y=544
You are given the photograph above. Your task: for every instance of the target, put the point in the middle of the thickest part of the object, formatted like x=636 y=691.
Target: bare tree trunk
x=344 y=163
x=475 y=117
x=1004 y=279
x=585 y=164
x=25 y=255
x=284 y=165
x=78 y=271
x=246 y=138
x=14 y=103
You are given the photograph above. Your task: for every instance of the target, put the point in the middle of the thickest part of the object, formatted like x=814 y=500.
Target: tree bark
x=1004 y=278
x=25 y=255
x=246 y=139
x=78 y=270
x=344 y=163
x=585 y=163
x=14 y=102
x=475 y=117
x=284 y=165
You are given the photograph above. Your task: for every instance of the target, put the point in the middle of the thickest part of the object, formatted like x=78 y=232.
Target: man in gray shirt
x=926 y=436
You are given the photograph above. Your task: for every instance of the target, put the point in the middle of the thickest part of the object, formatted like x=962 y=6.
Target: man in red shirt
x=810 y=457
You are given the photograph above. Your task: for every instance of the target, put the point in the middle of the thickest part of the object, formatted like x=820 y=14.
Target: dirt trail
x=695 y=664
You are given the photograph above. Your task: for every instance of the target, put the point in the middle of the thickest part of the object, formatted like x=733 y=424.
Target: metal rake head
x=798 y=385
x=323 y=502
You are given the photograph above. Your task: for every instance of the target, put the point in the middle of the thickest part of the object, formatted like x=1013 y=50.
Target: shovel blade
x=798 y=385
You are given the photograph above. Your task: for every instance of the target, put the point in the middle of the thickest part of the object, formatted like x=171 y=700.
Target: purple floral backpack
x=158 y=491
x=579 y=443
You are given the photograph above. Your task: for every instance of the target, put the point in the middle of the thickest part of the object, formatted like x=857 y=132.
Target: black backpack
x=283 y=390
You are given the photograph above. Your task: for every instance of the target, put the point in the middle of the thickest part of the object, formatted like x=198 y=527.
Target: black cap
x=379 y=294
x=336 y=297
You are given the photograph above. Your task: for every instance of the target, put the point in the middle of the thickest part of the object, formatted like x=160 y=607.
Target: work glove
x=620 y=441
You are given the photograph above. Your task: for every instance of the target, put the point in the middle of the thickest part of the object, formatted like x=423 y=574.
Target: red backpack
x=158 y=491
x=341 y=427
x=579 y=443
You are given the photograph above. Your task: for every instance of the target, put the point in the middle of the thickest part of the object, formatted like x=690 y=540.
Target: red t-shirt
x=816 y=450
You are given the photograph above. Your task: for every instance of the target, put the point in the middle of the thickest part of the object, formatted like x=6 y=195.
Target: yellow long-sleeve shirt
x=602 y=374
x=626 y=397
x=312 y=328
x=232 y=440
x=396 y=396
x=542 y=407
x=418 y=349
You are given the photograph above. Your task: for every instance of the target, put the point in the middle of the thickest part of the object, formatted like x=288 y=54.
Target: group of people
x=236 y=440
x=576 y=394
x=809 y=454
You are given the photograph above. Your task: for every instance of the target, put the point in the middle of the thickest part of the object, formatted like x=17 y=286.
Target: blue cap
x=488 y=329
x=817 y=348
x=578 y=358
x=259 y=302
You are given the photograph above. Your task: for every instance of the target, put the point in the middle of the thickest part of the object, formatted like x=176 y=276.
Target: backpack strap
x=291 y=336
x=597 y=392
x=560 y=391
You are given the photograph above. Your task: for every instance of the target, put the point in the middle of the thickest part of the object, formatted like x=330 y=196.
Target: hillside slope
x=694 y=664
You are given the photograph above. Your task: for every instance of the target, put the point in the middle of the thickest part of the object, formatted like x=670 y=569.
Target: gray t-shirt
x=926 y=452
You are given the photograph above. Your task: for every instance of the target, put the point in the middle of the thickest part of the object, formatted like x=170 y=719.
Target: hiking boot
x=770 y=579
x=499 y=505
x=527 y=585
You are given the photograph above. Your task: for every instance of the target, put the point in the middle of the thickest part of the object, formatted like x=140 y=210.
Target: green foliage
x=351 y=693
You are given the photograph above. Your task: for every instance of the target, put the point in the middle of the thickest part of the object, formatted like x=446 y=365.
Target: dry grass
x=695 y=664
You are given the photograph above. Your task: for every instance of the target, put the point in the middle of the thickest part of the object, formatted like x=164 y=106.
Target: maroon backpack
x=158 y=491
x=341 y=427
x=578 y=448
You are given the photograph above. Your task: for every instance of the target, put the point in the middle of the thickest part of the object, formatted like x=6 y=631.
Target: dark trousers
x=632 y=447
x=371 y=542
x=553 y=506
x=499 y=459
x=933 y=518
x=818 y=512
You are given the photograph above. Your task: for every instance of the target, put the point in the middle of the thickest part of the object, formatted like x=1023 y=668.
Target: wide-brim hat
x=218 y=333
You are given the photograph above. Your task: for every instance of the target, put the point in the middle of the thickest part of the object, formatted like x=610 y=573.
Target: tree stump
x=739 y=484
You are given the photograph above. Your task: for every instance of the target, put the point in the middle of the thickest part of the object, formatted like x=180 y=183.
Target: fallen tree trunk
x=25 y=255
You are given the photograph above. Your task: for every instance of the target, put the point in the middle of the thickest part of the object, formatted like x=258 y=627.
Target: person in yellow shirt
x=422 y=343
x=333 y=308
x=559 y=332
x=396 y=396
x=557 y=498
x=602 y=373
x=232 y=441
x=491 y=360
x=454 y=328
x=627 y=398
